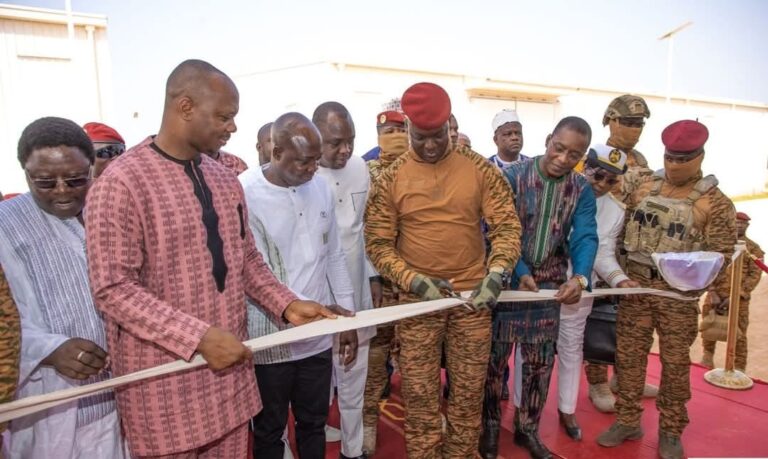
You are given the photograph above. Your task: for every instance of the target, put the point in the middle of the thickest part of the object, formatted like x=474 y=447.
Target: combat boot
x=707 y=360
x=649 y=390
x=369 y=440
x=670 y=446
x=618 y=434
x=602 y=397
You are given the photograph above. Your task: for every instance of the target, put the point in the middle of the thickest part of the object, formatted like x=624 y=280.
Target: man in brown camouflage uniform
x=625 y=118
x=10 y=342
x=393 y=142
x=676 y=210
x=423 y=232
x=750 y=277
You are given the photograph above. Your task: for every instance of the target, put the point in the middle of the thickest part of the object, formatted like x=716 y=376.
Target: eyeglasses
x=632 y=122
x=677 y=159
x=49 y=184
x=599 y=176
x=110 y=151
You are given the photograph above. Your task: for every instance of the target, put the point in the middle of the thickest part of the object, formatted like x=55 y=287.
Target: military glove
x=429 y=288
x=486 y=294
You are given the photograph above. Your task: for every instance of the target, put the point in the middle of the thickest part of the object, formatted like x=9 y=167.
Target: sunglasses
x=49 y=184
x=631 y=122
x=110 y=151
x=680 y=159
x=598 y=176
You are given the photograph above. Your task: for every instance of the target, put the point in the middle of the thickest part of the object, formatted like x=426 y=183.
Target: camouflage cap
x=626 y=105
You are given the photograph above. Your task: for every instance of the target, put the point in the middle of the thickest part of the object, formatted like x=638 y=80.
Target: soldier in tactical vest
x=676 y=210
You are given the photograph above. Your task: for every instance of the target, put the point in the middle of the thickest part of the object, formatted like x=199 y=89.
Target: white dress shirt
x=610 y=222
x=302 y=222
x=350 y=186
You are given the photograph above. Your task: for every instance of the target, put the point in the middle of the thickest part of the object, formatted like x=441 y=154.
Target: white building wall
x=736 y=152
x=44 y=73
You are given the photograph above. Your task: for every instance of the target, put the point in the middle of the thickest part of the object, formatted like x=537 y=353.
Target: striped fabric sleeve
x=720 y=236
x=498 y=206
x=381 y=230
x=10 y=343
x=583 y=242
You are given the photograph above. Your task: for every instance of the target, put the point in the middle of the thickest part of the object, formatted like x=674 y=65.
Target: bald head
x=264 y=132
x=338 y=134
x=190 y=78
x=200 y=107
x=296 y=150
x=320 y=116
x=264 y=143
x=294 y=130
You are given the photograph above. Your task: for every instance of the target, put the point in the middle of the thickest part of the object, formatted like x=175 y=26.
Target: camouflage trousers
x=676 y=323
x=467 y=339
x=378 y=355
x=741 y=340
x=597 y=373
x=10 y=345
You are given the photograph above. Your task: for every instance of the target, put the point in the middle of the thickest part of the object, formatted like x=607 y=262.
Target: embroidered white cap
x=503 y=117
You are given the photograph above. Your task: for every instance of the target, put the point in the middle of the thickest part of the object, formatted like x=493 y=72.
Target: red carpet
x=723 y=424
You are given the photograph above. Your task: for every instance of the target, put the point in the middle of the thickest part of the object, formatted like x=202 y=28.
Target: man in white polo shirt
x=292 y=216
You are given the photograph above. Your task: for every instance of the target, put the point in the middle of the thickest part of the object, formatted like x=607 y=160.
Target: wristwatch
x=583 y=282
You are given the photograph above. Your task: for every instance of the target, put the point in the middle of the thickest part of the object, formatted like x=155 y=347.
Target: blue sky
x=591 y=43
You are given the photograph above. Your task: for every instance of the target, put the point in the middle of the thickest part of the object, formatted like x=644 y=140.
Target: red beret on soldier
x=99 y=132
x=390 y=117
x=426 y=105
x=684 y=137
x=742 y=216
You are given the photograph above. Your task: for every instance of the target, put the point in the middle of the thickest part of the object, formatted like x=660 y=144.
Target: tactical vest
x=661 y=224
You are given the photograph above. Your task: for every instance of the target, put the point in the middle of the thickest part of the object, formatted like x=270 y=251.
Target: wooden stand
x=728 y=377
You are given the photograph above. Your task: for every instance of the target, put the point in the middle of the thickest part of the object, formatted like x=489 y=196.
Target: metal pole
x=670 y=52
x=733 y=308
x=728 y=377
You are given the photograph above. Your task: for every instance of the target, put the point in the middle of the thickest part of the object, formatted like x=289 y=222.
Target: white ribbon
x=37 y=403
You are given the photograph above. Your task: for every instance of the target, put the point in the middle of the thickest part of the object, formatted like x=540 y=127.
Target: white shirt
x=350 y=186
x=302 y=223
x=610 y=222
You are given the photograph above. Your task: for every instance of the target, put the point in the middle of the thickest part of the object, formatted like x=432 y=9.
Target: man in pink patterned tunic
x=171 y=259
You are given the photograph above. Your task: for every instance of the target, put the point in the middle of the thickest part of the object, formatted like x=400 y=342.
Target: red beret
x=426 y=105
x=742 y=216
x=684 y=137
x=99 y=132
x=390 y=116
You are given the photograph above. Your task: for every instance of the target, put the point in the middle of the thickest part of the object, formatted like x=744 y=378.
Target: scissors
x=464 y=301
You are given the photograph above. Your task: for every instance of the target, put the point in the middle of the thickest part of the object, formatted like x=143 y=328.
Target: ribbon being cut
x=34 y=404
